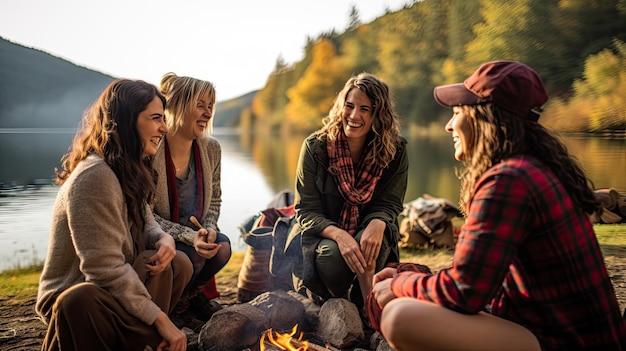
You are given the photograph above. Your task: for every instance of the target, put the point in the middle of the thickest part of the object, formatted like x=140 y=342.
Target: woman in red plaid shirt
x=527 y=249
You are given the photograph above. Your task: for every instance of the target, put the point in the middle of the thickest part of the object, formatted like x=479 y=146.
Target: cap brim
x=455 y=95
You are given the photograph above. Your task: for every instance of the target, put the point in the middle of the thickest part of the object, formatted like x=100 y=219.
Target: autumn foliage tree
x=599 y=101
x=312 y=96
x=434 y=42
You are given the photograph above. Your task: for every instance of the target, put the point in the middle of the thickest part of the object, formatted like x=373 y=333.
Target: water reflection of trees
x=604 y=159
x=431 y=161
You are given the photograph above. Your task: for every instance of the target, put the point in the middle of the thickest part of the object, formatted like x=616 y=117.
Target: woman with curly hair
x=527 y=271
x=350 y=185
x=112 y=274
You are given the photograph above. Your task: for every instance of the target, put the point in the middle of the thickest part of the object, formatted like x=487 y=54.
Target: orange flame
x=285 y=341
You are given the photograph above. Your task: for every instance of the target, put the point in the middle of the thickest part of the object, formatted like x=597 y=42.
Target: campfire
x=286 y=341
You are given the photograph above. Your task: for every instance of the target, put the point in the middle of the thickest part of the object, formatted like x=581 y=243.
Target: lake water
x=254 y=169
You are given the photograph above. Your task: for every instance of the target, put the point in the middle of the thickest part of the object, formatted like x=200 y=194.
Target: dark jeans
x=333 y=270
x=203 y=269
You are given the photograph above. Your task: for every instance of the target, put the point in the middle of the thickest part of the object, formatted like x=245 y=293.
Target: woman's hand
x=173 y=338
x=382 y=286
x=351 y=252
x=204 y=243
x=371 y=240
x=165 y=253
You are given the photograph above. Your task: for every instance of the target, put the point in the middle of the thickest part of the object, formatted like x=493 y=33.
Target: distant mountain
x=40 y=90
x=228 y=112
x=43 y=91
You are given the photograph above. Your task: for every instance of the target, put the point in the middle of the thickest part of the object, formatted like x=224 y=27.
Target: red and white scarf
x=356 y=190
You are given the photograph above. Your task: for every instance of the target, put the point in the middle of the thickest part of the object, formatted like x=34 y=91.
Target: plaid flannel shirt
x=526 y=250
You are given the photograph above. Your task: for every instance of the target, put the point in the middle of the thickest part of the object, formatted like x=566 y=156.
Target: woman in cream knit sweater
x=112 y=274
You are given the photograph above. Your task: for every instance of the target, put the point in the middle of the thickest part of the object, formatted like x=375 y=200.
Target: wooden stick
x=312 y=346
x=195 y=222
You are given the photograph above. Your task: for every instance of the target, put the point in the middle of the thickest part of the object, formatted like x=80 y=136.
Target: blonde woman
x=189 y=164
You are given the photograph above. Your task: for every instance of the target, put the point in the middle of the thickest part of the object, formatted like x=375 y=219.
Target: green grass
x=19 y=282
x=23 y=282
x=611 y=234
x=612 y=239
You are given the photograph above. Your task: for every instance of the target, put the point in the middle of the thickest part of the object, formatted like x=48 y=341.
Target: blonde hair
x=182 y=93
x=381 y=147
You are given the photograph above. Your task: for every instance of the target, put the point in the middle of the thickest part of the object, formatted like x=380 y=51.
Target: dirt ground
x=21 y=330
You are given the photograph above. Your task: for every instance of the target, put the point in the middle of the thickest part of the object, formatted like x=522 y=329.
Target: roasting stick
x=195 y=222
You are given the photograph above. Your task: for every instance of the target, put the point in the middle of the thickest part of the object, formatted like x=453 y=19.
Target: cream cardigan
x=211 y=159
x=90 y=241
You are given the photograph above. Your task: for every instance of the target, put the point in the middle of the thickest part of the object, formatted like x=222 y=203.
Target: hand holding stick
x=212 y=235
x=195 y=222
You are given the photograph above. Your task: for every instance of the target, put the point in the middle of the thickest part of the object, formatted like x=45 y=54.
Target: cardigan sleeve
x=212 y=177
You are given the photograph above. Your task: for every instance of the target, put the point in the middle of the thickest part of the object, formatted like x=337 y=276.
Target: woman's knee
x=181 y=264
x=223 y=256
x=83 y=295
x=392 y=318
x=332 y=268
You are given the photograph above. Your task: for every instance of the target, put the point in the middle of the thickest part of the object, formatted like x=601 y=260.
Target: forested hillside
x=40 y=90
x=44 y=91
x=577 y=47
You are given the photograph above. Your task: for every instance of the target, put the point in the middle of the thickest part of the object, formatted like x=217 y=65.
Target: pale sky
x=233 y=43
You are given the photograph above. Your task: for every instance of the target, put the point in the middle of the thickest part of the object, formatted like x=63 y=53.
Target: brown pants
x=87 y=317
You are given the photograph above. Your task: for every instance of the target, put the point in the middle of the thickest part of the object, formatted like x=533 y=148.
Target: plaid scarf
x=355 y=190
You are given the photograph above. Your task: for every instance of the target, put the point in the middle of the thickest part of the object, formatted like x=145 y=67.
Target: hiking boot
x=182 y=305
x=186 y=319
x=202 y=307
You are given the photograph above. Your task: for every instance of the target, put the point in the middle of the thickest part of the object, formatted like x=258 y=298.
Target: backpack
x=613 y=206
x=265 y=233
x=427 y=222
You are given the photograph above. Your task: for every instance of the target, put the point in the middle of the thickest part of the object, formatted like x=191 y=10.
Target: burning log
x=289 y=343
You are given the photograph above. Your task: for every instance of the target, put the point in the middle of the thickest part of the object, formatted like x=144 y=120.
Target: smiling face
x=198 y=117
x=151 y=126
x=459 y=127
x=357 y=114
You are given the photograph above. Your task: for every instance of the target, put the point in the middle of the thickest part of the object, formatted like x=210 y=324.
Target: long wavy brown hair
x=381 y=147
x=109 y=129
x=497 y=135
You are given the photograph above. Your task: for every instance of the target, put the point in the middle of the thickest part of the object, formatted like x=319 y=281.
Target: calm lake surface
x=254 y=169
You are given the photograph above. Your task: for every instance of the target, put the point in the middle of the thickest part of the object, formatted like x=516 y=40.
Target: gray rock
x=234 y=328
x=342 y=326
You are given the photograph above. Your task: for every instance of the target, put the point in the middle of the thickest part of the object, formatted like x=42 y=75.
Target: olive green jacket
x=319 y=203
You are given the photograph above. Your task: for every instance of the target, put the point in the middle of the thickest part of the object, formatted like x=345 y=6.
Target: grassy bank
x=24 y=282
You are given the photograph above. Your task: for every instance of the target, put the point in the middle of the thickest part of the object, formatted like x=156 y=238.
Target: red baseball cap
x=509 y=84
